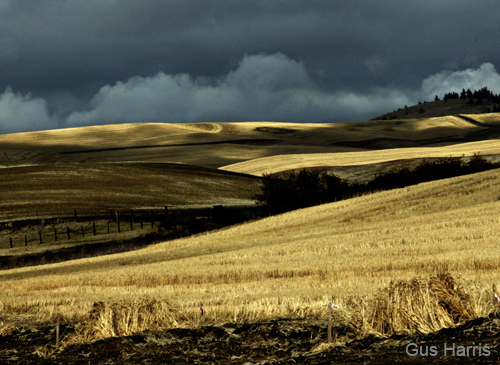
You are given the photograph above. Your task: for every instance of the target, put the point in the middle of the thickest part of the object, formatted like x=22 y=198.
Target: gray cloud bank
x=77 y=63
x=261 y=87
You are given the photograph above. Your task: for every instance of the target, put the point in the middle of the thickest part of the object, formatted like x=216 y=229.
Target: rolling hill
x=222 y=144
x=441 y=108
x=50 y=173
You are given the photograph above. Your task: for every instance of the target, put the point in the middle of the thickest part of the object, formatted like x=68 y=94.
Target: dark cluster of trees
x=300 y=190
x=476 y=97
x=483 y=94
x=307 y=188
x=428 y=170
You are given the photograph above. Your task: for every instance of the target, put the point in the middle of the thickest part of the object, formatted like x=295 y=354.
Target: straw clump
x=123 y=318
x=419 y=306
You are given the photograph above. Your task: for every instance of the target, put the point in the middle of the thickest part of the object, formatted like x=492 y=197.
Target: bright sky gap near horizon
x=77 y=63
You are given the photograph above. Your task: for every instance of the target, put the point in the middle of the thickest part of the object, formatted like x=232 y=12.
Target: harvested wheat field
x=287 y=266
x=216 y=144
x=274 y=164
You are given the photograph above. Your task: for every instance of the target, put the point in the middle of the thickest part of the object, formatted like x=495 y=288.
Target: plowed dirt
x=284 y=342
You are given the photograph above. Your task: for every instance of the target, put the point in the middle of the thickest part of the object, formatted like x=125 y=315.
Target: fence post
x=93 y=228
x=83 y=233
x=131 y=224
x=108 y=227
x=40 y=235
x=330 y=322
x=152 y=219
x=67 y=230
x=10 y=242
x=331 y=306
x=25 y=240
x=57 y=328
x=117 y=220
x=202 y=312
x=55 y=233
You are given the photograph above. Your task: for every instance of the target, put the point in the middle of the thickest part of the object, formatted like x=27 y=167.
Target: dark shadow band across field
x=221 y=144
x=254 y=141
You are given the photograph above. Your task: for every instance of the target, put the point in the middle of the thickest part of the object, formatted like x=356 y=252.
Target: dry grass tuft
x=7 y=329
x=420 y=306
x=123 y=318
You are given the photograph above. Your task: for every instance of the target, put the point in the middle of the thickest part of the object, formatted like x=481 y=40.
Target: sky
x=71 y=63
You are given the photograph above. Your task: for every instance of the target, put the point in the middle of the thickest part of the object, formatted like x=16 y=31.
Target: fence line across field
x=57 y=234
x=157 y=217
x=112 y=213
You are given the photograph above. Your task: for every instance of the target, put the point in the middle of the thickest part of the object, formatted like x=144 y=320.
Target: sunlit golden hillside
x=489 y=149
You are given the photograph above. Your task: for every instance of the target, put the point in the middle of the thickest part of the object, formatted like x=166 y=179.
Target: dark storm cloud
x=262 y=87
x=109 y=61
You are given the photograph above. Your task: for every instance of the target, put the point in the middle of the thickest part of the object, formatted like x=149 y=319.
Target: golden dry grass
x=289 y=265
x=420 y=306
x=280 y=163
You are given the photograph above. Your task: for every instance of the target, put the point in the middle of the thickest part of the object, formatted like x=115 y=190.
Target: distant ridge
x=442 y=108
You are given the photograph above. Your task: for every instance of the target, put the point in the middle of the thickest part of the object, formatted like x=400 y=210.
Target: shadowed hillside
x=41 y=191
x=468 y=102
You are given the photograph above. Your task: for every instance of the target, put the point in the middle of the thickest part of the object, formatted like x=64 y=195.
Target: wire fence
x=100 y=225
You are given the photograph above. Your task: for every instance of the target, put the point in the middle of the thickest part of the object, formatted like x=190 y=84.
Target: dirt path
x=284 y=342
